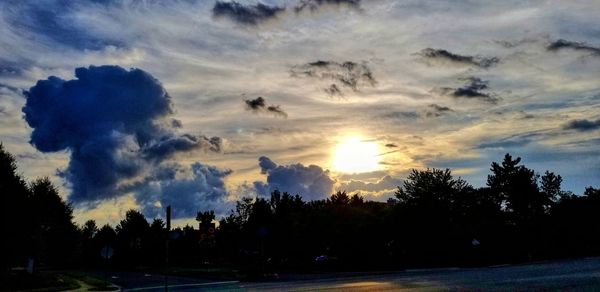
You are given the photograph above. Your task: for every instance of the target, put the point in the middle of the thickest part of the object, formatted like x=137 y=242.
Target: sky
x=196 y=104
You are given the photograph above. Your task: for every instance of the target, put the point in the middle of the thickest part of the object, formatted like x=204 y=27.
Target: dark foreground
x=579 y=275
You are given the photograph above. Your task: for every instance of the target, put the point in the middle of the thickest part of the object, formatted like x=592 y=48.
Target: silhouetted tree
x=525 y=204
x=517 y=186
x=206 y=217
x=55 y=232
x=106 y=236
x=426 y=211
x=17 y=225
x=88 y=232
x=551 y=186
x=339 y=198
x=132 y=234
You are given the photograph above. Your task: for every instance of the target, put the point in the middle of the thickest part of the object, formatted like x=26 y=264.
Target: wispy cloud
x=346 y=74
x=441 y=56
x=316 y=4
x=436 y=110
x=562 y=44
x=474 y=88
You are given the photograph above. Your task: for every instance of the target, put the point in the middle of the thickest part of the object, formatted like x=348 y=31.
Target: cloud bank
x=186 y=189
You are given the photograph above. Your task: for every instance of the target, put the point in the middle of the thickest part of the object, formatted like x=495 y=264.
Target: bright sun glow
x=354 y=156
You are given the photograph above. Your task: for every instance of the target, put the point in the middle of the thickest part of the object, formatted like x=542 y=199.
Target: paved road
x=573 y=275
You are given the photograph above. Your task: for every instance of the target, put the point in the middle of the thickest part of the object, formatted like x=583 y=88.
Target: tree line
x=434 y=219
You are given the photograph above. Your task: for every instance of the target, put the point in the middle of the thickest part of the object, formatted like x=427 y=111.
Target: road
x=571 y=275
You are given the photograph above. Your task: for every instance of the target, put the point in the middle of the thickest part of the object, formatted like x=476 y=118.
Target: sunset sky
x=197 y=103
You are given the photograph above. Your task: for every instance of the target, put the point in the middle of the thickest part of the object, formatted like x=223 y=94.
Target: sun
x=354 y=155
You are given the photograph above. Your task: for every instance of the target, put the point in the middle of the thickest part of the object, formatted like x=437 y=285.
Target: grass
x=40 y=282
x=49 y=281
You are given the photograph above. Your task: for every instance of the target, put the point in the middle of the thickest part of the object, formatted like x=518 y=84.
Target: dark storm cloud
x=562 y=44
x=443 y=56
x=474 y=88
x=53 y=22
x=246 y=14
x=114 y=122
x=347 y=74
x=311 y=182
x=186 y=189
x=316 y=4
x=259 y=105
x=435 y=110
x=582 y=125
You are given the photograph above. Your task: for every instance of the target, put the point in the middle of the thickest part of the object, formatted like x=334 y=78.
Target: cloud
x=333 y=90
x=402 y=115
x=347 y=74
x=383 y=188
x=186 y=189
x=168 y=145
x=391 y=145
x=114 y=122
x=54 y=22
x=445 y=57
x=512 y=142
x=175 y=123
x=562 y=44
x=259 y=105
x=311 y=182
x=582 y=125
x=266 y=164
x=473 y=89
x=435 y=110
x=246 y=14
x=509 y=44
x=316 y=4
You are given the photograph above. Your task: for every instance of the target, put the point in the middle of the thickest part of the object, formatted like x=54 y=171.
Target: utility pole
x=167 y=248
